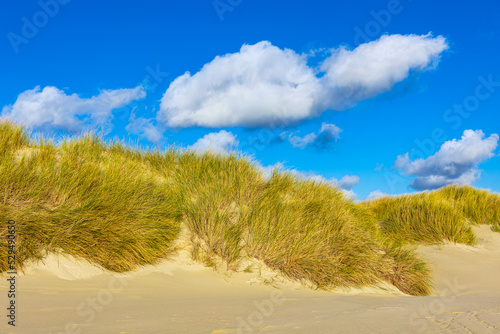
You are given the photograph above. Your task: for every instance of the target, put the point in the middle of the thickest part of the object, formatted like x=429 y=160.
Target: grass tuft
x=479 y=205
x=421 y=218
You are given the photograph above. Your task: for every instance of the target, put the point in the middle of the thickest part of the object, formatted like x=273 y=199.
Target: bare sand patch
x=65 y=295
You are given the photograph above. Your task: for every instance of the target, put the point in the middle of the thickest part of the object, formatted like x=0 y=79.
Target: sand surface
x=62 y=295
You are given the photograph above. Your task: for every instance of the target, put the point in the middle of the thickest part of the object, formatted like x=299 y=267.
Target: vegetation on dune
x=220 y=191
x=81 y=200
x=479 y=205
x=421 y=218
x=406 y=271
x=121 y=208
x=310 y=230
x=445 y=214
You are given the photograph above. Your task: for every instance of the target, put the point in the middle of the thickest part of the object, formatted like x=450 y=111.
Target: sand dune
x=63 y=295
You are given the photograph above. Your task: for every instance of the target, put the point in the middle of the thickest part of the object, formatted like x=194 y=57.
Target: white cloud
x=302 y=142
x=218 y=142
x=348 y=181
x=349 y=193
x=144 y=128
x=456 y=162
x=253 y=87
x=327 y=134
x=330 y=130
x=375 y=194
x=52 y=108
x=375 y=67
x=263 y=85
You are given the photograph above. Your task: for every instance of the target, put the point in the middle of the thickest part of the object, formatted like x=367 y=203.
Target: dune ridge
x=124 y=208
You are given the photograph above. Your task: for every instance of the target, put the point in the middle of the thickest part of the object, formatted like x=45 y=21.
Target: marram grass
x=309 y=230
x=122 y=208
x=421 y=218
x=81 y=200
x=479 y=205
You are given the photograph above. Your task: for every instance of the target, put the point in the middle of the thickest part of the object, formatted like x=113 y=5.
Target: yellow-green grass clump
x=421 y=218
x=312 y=231
x=219 y=192
x=12 y=138
x=479 y=205
x=309 y=230
x=82 y=200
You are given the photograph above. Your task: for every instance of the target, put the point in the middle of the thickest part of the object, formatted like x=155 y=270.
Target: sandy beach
x=180 y=296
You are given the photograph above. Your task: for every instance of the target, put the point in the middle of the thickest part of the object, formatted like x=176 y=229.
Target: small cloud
x=349 y=194
x=52 y=109
x=302 y=142
x=217 y=142
x=348 y=182
x=266 y=137
x=328 y=133
x=375 y=194
x=456 y=162
x=144 y=128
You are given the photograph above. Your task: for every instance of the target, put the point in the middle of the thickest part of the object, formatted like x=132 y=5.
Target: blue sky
x=340 y=90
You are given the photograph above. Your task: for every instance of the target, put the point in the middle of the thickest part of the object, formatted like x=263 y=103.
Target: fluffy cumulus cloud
x=302 y=142
x=375 y=67
x=218 y=142
x=456 y=162
x=52 y=108
x=263 y=85
x=328 y=133
x=144 y=128
x=258 y=86
x=375 y=194
x=348 y=181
